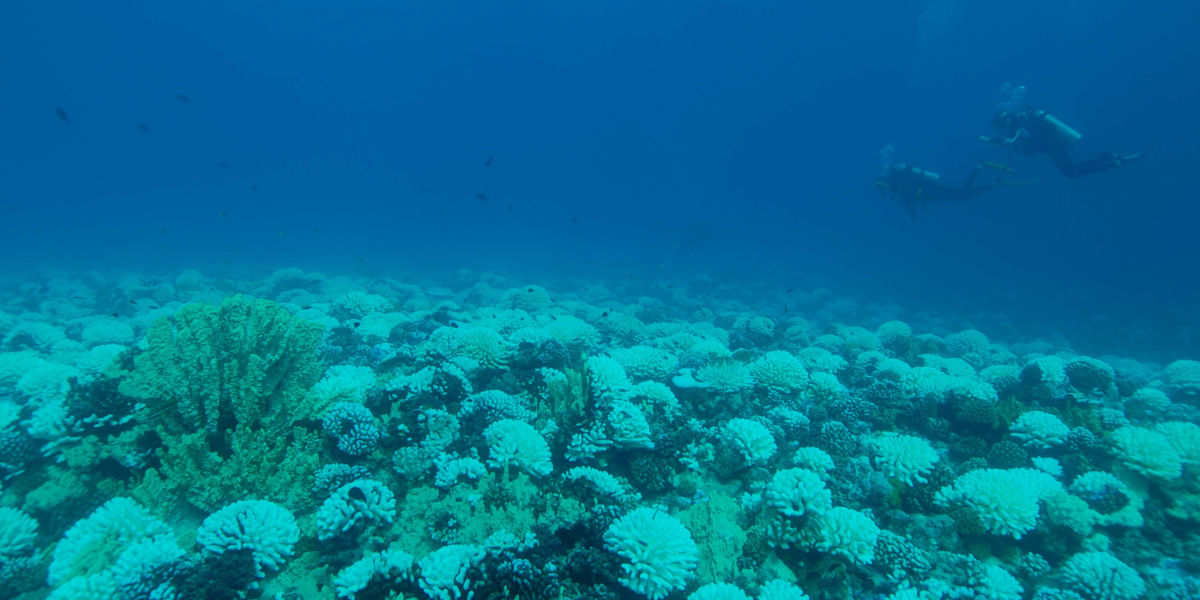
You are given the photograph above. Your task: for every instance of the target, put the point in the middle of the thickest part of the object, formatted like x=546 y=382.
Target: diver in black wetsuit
x=914 y=187
x=1033 y=131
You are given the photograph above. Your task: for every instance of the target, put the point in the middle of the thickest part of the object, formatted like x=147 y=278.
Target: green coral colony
x=293 y=436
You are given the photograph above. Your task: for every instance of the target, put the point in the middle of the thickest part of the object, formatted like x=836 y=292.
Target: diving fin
x=997 y=166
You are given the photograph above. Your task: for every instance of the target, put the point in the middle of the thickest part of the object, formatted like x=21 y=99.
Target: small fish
x=222 y=214
x=785 y=309
x=789 y=290
x=671 y=286
x=357 y=494
x=306 y=307
x=183 y=98
x=361 y=261
x=316 y=229
x=441 y=214
x=164 y=230
x=223 y=165
x=254 y=187
x=356 y=324
x=509 y=208
x=482 y=197
x=165 y=247
x=134 y=302
x=703 y=297
x=422 y=189
x=531 y=290
x=144 y=128
x=79 y=297
x=604 y=314
x=553 y=318
x=116 y=315
x=454 y=324
x=62 y=115
x=574 y=219
x=280 y=233
x=489 y=162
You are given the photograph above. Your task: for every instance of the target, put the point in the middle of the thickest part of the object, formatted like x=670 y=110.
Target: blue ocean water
x=661 y=151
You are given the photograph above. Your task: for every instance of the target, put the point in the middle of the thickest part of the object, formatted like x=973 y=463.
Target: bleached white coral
x=392 y=566
x=47 y=380
x=1147 y=452
x=998 y=584
x=815 y=460
x=342 y=383
x=645 y=362
x=572 y=331
x=820 y=360
x=968 y=342
x=588 y=443
x=927 y=383
x=629 y=426
x=451 y=470
x=905 y=457
x=655 y=398
x=479 y=344
x=1006 y=502
x=1039 y=429
x=266 y=529
x=1184 y=437
x=843 y=531
x=1100 y=482
x=659 y=553
x=94 y=543
x=726 y=376
x=718 y=591
x=892 y=332
x=778 y=589
x=107 y=331
x=358 y=501
x=17 y=533
x=496 y=405
x=751 y=440
x=444 y=571
x=1102 y=576
x=531 y=298
x=779 y=371
x=825 y=387
x=607 y=378
x=356 y=305
x=1047 y=465
x=795 y=492
x=601 y=481
x=512 y=442
x=1181 y=379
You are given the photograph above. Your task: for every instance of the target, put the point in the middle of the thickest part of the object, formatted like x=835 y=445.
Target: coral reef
x=441 y=436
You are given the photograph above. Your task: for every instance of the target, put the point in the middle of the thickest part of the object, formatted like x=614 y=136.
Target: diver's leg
x=1058 y=154
x=971 y=178
x=1104 y=162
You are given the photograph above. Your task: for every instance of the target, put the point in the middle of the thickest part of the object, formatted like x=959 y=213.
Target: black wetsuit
x=1032 y=135
x=913 y=190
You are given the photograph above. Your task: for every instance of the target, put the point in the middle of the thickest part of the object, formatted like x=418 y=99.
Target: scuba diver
x=914 y=187
x=1031 y=131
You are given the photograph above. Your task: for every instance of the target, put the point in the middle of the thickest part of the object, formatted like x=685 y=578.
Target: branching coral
x=247 y=359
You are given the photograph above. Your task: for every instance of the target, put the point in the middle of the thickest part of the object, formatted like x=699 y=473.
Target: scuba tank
x=1061 y=130
x=895 y=169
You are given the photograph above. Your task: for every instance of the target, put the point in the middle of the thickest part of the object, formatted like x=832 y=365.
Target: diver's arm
x=1002 y=141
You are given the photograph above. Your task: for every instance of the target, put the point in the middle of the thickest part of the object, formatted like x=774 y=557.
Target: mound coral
x=658 y=551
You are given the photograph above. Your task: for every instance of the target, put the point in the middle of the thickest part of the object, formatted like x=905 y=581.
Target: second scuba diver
x=914 y=187
x=1032 y=131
